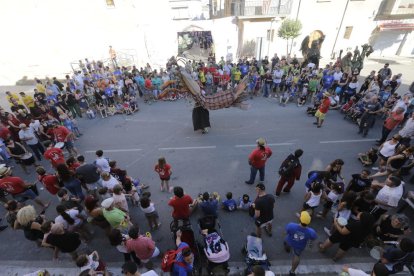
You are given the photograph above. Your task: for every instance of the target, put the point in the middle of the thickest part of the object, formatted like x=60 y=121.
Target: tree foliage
x=289 y=29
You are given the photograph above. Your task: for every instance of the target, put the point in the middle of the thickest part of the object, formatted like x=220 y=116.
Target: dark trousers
x=38 y=150
x=253 y=173
x=131 y=257
x=366 y=123
x=283 y=179
x=385 y=132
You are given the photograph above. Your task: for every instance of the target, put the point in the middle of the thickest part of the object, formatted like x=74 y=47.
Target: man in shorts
x=17 y=187
x=297 y=237
x=263 y=210
x=322 y=110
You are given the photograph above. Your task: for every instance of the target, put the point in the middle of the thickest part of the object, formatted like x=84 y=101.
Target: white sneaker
x=327 y=231
x=375 y=168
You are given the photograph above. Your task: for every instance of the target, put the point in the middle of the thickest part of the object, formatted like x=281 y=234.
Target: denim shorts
x=28 y=194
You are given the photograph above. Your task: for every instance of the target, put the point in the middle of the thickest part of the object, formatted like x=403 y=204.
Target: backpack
x=288 y=166
x=169 y=257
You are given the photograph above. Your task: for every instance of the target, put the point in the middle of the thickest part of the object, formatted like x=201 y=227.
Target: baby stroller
x=189 y=238
x=215 y=248
x=255 y=254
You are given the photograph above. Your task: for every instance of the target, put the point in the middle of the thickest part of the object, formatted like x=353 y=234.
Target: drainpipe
x=339 y=29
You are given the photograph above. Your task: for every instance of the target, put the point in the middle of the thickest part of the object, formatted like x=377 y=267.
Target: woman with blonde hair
x=28 y=220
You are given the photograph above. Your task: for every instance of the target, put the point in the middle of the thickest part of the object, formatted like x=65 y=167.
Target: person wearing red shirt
x=54 y=155
x=143 y=247
x=17 y=187
x=257 y=160
x=182 y=204
x=393 y=120
x=50 y=181
x=62 y=134
x=164 y=171
x=323 y=109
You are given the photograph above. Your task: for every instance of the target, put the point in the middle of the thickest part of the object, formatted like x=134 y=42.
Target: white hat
x=107 y=203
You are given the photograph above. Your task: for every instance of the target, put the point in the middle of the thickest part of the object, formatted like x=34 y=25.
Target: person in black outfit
x=57 y=238
x=201 y=118
x=360 y=182
x=263 y=206
x=350 y=235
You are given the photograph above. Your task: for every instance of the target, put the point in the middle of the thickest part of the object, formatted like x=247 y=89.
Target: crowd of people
x=101 y=194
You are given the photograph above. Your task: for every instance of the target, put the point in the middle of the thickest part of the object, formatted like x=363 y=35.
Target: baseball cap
x=107 y=203
x=261 y=141
x=305 y=218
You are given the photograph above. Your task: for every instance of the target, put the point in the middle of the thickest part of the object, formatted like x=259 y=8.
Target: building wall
x=326 y=16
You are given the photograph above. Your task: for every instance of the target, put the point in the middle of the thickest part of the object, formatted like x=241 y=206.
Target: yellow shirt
x=14 y=96
x=41 y=88
x=28 y=101
x=237 y=75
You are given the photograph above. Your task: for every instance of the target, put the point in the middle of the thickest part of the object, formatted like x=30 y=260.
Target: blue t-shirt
x=180 y=270
x=327 y=81
x=244 y=69
x=298 y=236
x=230 y=204
x=209 y=207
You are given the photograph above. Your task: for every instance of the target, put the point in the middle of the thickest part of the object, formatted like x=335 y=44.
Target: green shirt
x=115 y=217
x=313 y=84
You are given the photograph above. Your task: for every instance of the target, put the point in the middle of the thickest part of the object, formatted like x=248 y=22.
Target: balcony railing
x=260 y=7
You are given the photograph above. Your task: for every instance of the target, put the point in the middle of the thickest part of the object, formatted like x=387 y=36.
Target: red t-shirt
x=181 y=208
x=60 y=133
x=5 y=133
x=393 y=120
x=258 y=157
x=142 y=246
x=148 y=83
x=55 y=156
x=324 y=107
x=163 y=172
x=50 y=182
x=13 y=185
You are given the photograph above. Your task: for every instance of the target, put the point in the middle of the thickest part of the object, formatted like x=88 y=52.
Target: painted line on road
x=114 y=150
x=189 y=148
x=347 y=141
x=272 y=144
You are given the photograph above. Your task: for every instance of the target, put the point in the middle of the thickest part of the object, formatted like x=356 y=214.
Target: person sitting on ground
x=244 y=203
x=209 y=205
x=229 y=204
x=258 y=270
